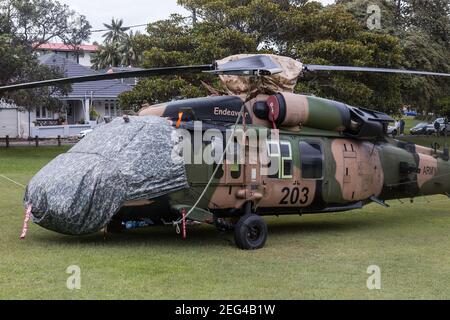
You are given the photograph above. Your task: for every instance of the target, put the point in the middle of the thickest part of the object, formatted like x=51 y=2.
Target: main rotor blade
x=111 y=76
x=314 y=67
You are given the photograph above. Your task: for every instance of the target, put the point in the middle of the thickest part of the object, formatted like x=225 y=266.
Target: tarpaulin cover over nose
x=80 y=191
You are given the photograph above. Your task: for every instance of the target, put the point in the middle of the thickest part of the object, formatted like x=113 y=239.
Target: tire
x=394 y=133
x=250 y=233
x=115 y=226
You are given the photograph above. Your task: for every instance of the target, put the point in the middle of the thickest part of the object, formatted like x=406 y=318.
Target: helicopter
x=274 y=152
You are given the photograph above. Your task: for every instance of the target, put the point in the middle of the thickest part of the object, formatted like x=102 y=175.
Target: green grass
x=410 y=122
x=427 y=141
x=323 y=256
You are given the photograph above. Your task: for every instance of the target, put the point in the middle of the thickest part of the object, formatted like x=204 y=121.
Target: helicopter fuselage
x=331 y=158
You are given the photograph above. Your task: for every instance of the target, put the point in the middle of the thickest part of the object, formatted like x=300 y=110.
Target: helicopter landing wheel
x=115 y=226
x=250 y=233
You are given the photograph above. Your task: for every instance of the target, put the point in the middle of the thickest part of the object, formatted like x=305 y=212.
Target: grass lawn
x=322 y=256
x=410 y=122
x=427 y=141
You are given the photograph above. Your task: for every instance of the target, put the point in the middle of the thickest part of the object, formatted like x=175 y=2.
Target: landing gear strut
x=250 y=232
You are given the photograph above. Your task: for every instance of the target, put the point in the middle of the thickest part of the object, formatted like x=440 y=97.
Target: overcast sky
x=133 y=12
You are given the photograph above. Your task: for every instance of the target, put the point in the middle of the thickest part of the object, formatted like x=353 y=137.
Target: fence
x=49 y=135
x=65 y=131
x=36 y=142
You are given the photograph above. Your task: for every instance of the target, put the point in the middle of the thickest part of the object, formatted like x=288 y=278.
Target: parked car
x=419 y=129
x=444 y=127
x=392 y=131
x=431 y=129
x=411 y=113
x=84 y=133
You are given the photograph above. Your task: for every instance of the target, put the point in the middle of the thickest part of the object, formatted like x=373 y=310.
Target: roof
x=96 y=89
x=64 y=47
x=120 y=69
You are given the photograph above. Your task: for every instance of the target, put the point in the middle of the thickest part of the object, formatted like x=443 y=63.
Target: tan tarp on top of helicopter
x=282 y=82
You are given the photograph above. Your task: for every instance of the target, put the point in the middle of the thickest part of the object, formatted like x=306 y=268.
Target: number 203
x=294 y=196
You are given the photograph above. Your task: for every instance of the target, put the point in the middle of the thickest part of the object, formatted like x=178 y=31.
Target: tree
x=300 y=29
x=24 y=24
x=432 y=17
x=119 y=48
x=17 y=66
x=444 y=106
x=174 y=42
x=116 y=31
x=34 y=22
x=80 y=31
x=131 y=56
x=124 y=53
x=422 y=28
x=108 y=56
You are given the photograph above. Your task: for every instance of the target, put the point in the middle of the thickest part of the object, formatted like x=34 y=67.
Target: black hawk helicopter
x=290 y=154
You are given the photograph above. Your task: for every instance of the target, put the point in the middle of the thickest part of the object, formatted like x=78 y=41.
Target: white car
x=84 y=133
x=392 y=131
x=444 y=128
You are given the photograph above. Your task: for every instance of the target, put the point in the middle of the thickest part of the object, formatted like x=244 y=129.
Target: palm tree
x=109 y=55
x=116 y=33
x=127 y=48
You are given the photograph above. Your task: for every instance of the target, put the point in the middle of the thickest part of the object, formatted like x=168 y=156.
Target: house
x=129 y=81
x=9 y=119
x=101 y=96
x=83 y=57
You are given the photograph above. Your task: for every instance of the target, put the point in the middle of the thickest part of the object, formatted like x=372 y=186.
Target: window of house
x=42 y=113
x=117 y=111
x=112 y=108
x=311 y=157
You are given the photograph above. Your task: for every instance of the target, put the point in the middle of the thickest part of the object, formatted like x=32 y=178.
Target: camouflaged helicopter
x=328 y=156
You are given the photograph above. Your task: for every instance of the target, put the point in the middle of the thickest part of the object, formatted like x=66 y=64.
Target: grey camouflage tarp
x=80 y=191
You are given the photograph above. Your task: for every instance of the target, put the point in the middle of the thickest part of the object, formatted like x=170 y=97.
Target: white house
x=101 y=96
x=9 y=119
x=84 y=57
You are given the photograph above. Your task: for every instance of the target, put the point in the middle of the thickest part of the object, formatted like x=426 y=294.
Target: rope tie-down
x=27 y=212
x=183 y=219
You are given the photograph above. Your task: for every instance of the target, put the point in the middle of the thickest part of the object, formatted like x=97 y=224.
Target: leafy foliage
x=300 y=29
x=116 y=32
x=119 y=47
x=18 y=65
x=423 y=30
x=25 y=24
x=35 y=22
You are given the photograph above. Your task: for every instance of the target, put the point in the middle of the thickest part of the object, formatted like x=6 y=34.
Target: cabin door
x=350 y=171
